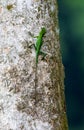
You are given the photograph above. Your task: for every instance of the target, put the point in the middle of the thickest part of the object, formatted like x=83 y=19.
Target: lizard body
x=39 y=43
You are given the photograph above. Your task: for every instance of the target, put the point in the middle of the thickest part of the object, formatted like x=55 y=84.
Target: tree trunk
x=27 y=103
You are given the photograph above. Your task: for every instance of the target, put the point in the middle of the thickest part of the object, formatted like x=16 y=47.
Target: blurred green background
x=71 y=22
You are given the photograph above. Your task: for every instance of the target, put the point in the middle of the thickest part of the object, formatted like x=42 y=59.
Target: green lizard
x=39 y=43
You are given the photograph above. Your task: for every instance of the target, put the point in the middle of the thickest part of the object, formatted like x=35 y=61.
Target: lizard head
x=43 y=31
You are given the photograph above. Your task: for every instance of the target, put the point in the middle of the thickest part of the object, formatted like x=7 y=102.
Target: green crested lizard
x=38 y=45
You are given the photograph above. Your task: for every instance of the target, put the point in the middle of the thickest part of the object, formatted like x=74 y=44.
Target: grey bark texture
x=20 y=20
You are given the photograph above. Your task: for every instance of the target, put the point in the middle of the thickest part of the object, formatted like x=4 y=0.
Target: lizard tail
x=36 y=59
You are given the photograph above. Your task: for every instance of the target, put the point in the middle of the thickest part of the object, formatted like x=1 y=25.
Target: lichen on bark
x=18 y=25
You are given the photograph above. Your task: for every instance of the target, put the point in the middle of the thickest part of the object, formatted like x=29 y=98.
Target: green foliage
x=71 y=21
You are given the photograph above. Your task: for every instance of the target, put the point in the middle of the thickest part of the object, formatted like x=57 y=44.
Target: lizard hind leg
x=35 y=47
x=43 y=54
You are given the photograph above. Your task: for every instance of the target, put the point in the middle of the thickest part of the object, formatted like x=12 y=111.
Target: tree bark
x=22 y=106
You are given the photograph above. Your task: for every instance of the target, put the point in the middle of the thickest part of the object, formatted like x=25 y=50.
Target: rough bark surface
x=20 y=20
